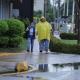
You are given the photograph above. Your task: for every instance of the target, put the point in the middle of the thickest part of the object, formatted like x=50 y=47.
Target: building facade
x=4 y=9
x=7 y=8
x=16 y=8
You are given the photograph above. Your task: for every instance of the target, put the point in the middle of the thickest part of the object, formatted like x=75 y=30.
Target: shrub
x=26 y=22
x=3 y=28
x=4 y=41
x=11 y=33
x=15 y=41
x=57 y=45
x=16 y=28
x=69 y=36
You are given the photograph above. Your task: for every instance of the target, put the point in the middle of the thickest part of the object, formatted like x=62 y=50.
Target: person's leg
x=32 y=44
x=41 y=45
x=45 y=67
x=28 y=44
x=41 y=67
x=46 y=45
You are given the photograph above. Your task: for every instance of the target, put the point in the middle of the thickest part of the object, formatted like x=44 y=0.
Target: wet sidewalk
x=41 y=58
x=35 y=59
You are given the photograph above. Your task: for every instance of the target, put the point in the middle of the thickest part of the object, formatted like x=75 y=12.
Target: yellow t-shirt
x=43 y=30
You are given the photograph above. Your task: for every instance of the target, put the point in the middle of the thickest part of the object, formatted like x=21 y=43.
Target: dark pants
x=43 y=67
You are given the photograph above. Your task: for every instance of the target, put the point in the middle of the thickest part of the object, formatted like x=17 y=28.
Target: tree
x=48 y=11
x=77 y=24
x=38 y=13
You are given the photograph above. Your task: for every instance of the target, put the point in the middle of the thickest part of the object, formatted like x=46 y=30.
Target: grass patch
x=64 y=46
x=72 y=42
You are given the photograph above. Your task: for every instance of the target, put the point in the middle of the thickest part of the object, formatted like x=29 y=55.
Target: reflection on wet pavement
x=57 y=67
x=49 y=67
x=10 y=66
x=46 y=72
x=43 y=68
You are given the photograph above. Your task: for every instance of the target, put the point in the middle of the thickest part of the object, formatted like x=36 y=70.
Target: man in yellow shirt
x=43 y=29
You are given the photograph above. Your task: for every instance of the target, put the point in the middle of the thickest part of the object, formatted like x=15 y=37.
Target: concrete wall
x=24 y=9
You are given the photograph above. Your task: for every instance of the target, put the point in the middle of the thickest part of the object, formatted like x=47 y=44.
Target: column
x=67 y=7
x=1 y=10
x=11 y=9
x=64 y=9
x=73 y=16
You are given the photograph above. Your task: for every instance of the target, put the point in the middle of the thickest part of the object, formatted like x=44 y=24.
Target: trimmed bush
x=57 y=45
x=15 y=41
x=26 y=22
x=3 y=28
x=68 y=36
x=4 y=41
x=11 y=33
x=16 y=28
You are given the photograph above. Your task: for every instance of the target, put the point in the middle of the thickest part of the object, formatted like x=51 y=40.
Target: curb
x=17 y=73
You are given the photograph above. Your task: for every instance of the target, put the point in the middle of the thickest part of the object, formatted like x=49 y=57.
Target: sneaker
x=28 y=51
x=40 y=51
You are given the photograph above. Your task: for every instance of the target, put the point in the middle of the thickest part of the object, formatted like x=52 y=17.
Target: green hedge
x=4 y=41
x=3 y=28
x=16 y=27
x=68 y=36
x=57 y=45
x=26 y=22
x=11 y=33
x=15 y=41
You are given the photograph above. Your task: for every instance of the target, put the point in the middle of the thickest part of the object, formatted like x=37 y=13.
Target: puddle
x=41 y=68
x=45 y=68
x=58 y=67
